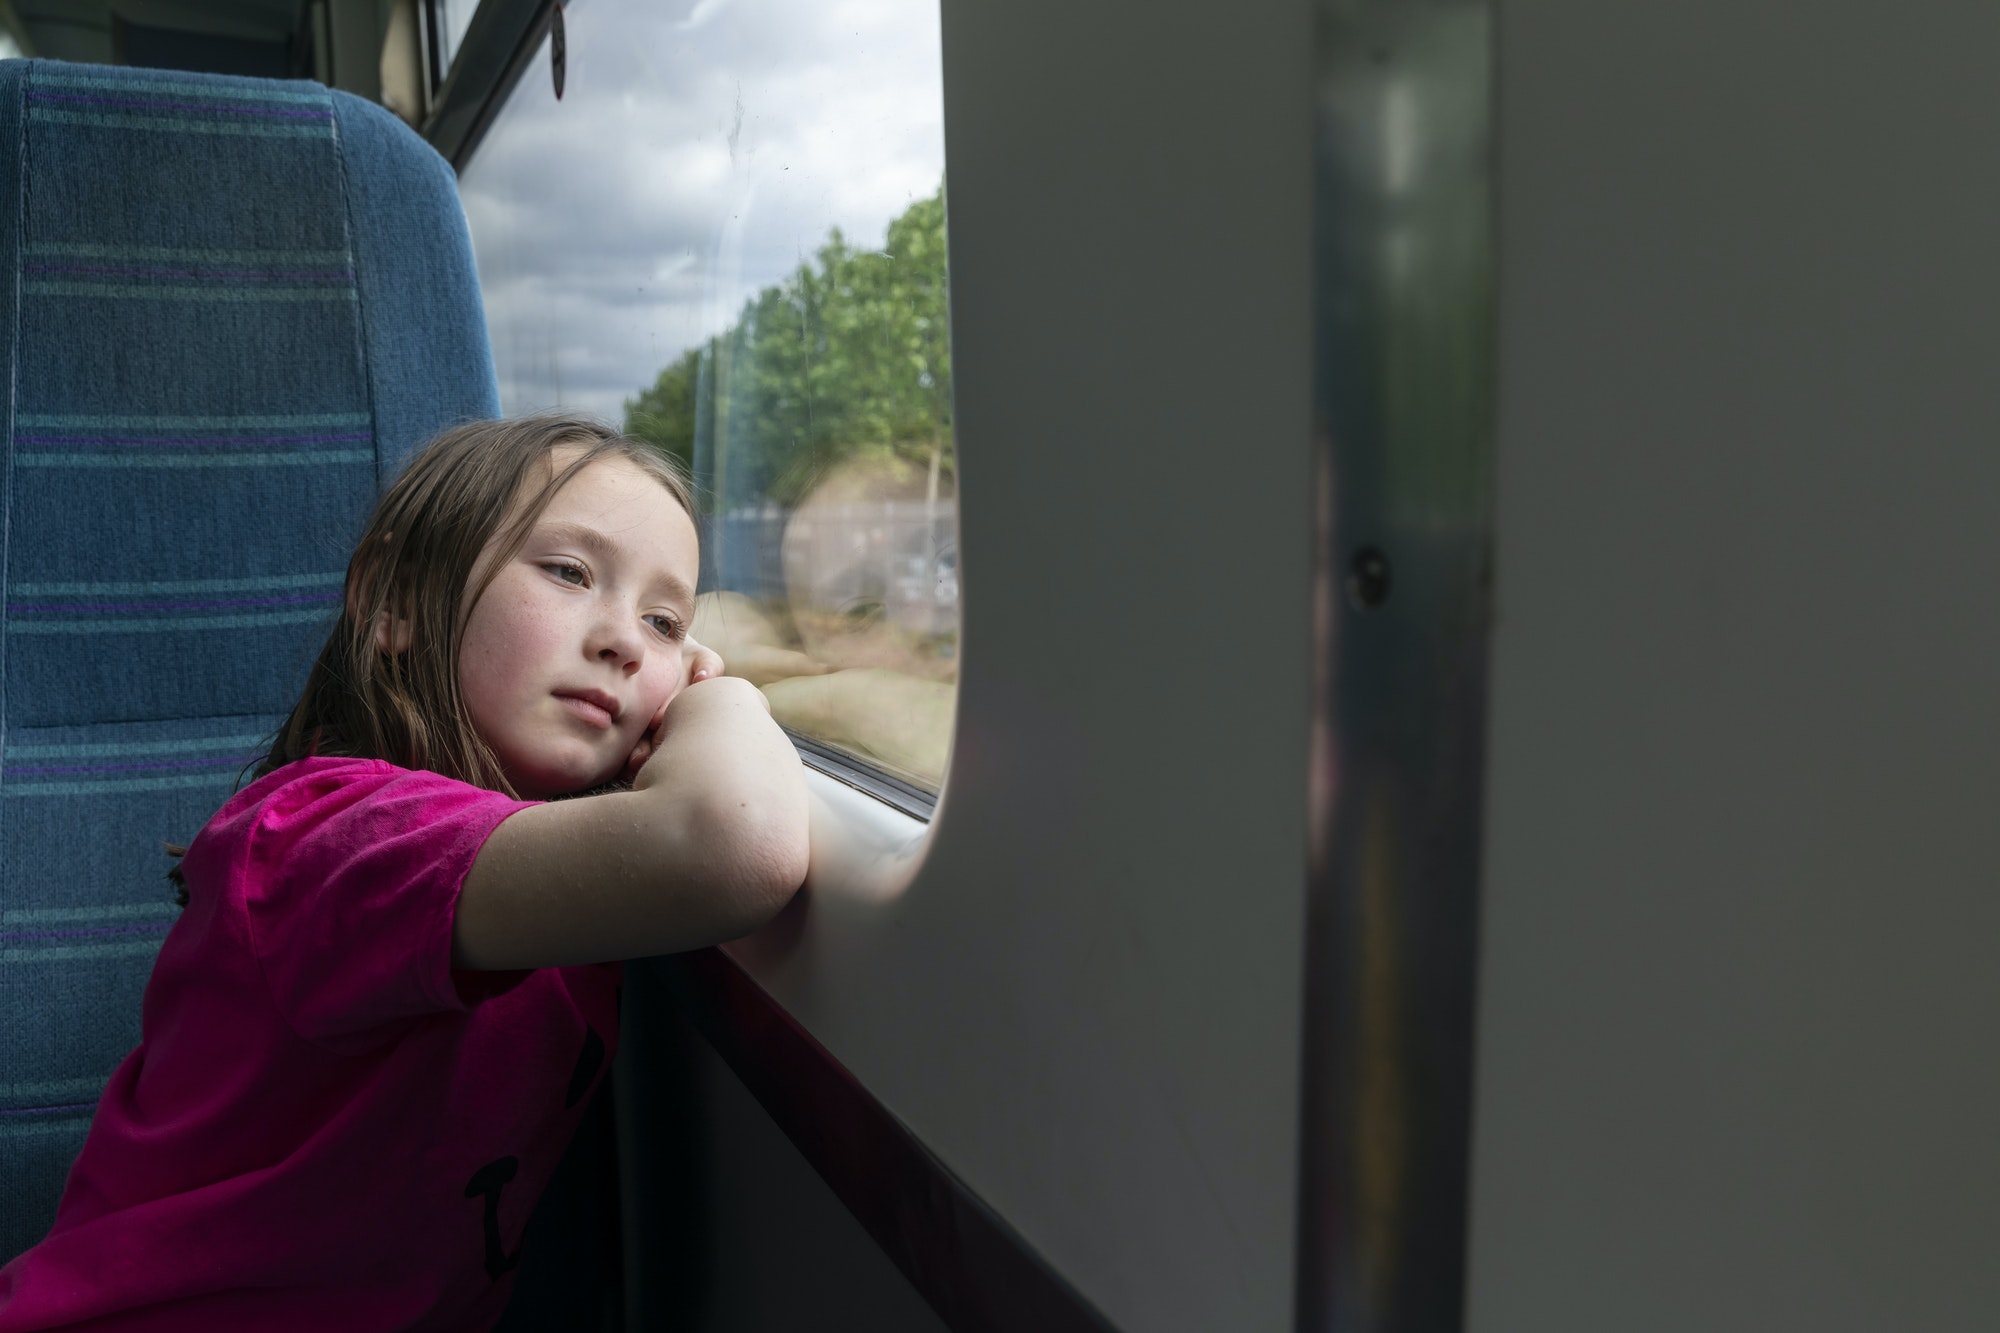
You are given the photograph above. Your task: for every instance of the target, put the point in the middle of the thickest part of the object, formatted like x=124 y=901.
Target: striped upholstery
x=234 y=305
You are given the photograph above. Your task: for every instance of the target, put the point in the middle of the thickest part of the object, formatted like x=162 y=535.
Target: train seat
x=231 y=307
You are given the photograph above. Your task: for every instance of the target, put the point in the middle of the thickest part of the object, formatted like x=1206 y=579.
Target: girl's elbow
x=759 y=885
x=774 y=864
x=764 y=861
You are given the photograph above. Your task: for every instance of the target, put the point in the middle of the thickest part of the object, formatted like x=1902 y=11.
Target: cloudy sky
x=702 y=148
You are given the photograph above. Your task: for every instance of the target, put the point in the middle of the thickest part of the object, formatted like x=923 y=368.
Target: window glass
x=728 y=235
x=453 y=16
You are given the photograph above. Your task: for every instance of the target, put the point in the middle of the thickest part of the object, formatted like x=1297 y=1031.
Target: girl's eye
x=571 y=574
x=668 y=626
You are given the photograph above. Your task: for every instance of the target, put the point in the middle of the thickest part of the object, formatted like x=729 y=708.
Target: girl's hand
x=702 y=664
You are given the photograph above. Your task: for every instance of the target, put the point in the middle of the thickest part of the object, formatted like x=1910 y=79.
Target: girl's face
x=575 y=646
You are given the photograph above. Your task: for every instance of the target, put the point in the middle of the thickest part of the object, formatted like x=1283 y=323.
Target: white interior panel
x=1086 y=999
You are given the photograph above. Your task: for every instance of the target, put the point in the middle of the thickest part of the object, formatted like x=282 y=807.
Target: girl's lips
x=588 y=711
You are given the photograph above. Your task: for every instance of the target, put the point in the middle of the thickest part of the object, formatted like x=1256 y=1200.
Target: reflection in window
x=729 y=235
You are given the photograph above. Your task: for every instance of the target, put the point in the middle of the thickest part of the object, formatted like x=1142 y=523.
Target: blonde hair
x=416 y=564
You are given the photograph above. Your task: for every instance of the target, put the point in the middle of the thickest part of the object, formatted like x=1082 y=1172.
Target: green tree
x=849 y=354
x=664 y=414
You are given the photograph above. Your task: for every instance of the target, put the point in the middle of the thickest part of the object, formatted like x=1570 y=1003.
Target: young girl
x=372 y=1032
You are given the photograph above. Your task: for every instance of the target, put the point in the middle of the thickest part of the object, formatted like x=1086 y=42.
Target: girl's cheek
x=673 y=674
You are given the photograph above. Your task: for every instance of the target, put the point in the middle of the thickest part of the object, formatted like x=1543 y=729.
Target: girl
x=369 y=1037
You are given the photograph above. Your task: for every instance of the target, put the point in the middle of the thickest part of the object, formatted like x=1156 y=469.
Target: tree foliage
x=664 y=414
x=848 y=355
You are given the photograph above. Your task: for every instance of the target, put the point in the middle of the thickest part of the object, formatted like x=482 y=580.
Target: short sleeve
x=349 y=877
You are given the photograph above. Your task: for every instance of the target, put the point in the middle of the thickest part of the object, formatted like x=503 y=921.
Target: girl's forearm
x=710 y=843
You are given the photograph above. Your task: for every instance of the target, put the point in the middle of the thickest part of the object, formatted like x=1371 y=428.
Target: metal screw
x=1368 y=578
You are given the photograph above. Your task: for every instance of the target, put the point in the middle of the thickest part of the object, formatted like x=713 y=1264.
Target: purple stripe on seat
x=174 y=606
x=225 y=761
x=361 y=438
x=179 y=106
x=42 y=1110
x=83 y=932
x=286 y=275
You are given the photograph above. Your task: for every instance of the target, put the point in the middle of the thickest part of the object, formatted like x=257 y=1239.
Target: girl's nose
x=616 y=643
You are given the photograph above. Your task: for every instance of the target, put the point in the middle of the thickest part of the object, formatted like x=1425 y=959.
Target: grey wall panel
x=1737 y=995
x=1086 y=1001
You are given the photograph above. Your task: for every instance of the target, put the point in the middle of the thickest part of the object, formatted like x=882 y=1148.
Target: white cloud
x=695 y=158
x=703 y=11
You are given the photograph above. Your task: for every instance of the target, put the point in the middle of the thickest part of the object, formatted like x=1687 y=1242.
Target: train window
x=728 y=233
x=449 y=20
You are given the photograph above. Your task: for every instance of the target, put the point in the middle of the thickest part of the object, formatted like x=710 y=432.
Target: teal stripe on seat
x=53 y=916
x=82 y=250
x=179 y=125
x=74 y=1122
x=221 y=781
x=87 y=421
x=60 y=1087
x=161 y=624
x=141 y=291
x=126 y=749
x=129 y=749
x=46 y=78
x=169 y=587
x=64 y=953
x=306 y=459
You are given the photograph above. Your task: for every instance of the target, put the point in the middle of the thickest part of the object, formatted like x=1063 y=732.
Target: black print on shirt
x=489 y=1180
x=588 y=1061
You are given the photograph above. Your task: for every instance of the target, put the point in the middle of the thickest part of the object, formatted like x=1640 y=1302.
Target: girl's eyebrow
x=604 y=548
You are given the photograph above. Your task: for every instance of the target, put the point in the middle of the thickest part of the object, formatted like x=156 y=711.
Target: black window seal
x=844 y=768
x=499 y=44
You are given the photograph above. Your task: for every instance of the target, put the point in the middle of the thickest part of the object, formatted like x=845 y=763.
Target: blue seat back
x=229 y=308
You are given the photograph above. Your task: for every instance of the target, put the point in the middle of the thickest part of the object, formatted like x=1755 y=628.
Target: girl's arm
x=707 y=846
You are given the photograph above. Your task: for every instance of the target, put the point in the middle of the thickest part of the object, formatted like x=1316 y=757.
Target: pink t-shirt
x=324 y=1126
